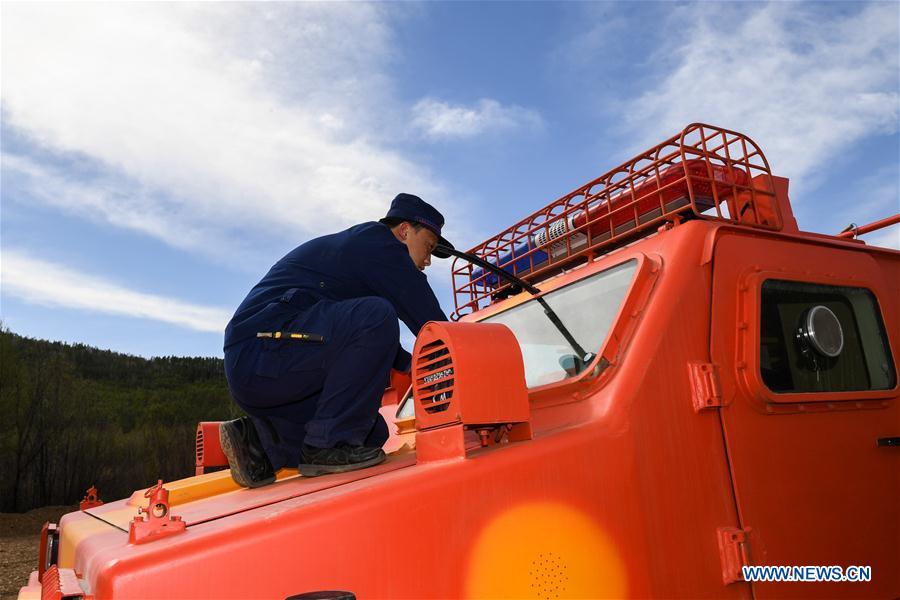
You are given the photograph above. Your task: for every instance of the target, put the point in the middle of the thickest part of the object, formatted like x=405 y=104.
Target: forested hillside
x=72 y=416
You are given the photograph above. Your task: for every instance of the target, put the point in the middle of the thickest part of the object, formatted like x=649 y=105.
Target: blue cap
x=414 y=209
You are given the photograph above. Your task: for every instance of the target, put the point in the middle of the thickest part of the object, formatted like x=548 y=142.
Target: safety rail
x=704 y=172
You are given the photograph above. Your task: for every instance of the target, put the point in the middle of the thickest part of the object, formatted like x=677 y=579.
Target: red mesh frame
x=704 y=172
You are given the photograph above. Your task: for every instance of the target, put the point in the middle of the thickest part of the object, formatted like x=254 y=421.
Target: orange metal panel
x=809 y=477
x=242 y=499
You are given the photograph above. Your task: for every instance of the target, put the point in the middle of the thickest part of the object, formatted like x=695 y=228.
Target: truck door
x=805 y=337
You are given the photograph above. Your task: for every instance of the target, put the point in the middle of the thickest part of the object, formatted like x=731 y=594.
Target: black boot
x=343 y=457
x=250 y=467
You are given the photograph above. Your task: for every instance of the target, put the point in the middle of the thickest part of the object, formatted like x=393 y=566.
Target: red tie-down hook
x=90 y=499
x=159 y=523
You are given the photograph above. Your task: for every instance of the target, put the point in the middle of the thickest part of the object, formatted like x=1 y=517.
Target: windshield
x=587 y=308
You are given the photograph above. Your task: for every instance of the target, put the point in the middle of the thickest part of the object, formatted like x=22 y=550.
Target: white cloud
x=804 y=85
x=441 y=120
x=110 y=201
x=40 y=282
x=266 y=115
x=104 y=200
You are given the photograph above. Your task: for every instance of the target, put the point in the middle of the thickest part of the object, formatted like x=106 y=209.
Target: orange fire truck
x=648 y=385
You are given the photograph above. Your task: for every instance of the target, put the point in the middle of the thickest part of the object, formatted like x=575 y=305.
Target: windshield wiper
x=584 y=357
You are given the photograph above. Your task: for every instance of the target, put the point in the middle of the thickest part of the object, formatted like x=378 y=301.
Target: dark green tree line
x=72 y=416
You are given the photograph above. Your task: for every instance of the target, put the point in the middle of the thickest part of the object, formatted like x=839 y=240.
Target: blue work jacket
x=365 y=260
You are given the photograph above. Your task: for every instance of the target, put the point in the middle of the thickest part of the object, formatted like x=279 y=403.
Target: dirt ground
x=20 y=535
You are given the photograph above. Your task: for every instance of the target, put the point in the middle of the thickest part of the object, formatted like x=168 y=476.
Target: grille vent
x=199 y=453
x=208 y=448
x=434 y=377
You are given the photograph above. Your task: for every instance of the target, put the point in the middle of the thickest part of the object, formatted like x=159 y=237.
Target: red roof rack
x=704 y=172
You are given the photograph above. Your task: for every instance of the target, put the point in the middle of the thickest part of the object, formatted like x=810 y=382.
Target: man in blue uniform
x=313 y=396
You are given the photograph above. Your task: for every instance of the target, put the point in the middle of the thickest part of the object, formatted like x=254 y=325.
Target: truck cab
x=736 y=406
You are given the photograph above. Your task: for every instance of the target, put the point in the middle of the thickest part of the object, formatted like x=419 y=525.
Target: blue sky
x=158 y=158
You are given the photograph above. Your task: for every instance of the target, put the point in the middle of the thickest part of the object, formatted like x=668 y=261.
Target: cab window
x=822 y=338
x=587 y=308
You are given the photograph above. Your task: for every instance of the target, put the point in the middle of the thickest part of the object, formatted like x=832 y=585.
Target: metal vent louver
x=208 y=448
x=434 y=377
x=199 y=451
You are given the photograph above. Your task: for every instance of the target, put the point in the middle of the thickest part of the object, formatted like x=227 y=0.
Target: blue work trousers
x=320 y=394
